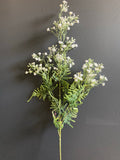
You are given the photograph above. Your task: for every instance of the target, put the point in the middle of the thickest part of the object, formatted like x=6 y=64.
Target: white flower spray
x=54 y=69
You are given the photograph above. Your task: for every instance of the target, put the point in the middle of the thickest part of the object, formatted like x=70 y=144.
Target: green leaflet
x=39 y=93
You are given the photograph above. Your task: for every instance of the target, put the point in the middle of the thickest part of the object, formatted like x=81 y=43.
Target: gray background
x=26 y=129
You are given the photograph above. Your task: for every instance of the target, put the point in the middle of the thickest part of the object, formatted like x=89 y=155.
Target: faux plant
x=64 y=92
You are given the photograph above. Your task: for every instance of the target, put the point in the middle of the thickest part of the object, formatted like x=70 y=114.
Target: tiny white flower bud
x=60 y=25
x=70 y=13
x=73 y=63
x=102 y=77
x=101 y=66
x=88 y=70
x=61 y=5
x=33 y=55
x=106 y=79
x=95 y=64
x=86 y=61
x=53 y=28
x=60 y=42
x=64 y=46
x=73 y=46
x=91 y=65
x=26 y=72
x=67 y=38
x=39 y=53
x=50 y=60
x=54 y=49
x=84 y=66
x=76 y=45
x=48 y=29
x=49 y=48
x=103 y=84
x=97 y=69
x=64 y=2
x=93 y=80
x=68 y=28
x=68 y=58
x=71 y=24
x=93 y=84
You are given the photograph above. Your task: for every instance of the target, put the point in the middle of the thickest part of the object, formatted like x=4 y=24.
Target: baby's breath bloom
x=70 y=13
x=89 y=70
x=59 y=25
x=74 y=45
x=64 y=2
x=64 y=46
x=91 y=65
x=101 y=66
x=60 y=42
x=78 y=77
x=55 y=68
x=106 y=79
x=61 y=5
x=96 y=65
x=48 y=29
x=68 y=28
x=84 y=66
x=39 y=53
x=53 y=27
x=49 y=59
x=59 y=57
x=67 y=38
x=49 y=48
x=102 y=77
x=86 y=61
x=53 y=49
x=26 y=72
x=103 y=84
x=33 y=55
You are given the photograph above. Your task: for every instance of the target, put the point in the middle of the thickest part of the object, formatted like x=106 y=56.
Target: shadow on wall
x=38 y=117
x=39 y=35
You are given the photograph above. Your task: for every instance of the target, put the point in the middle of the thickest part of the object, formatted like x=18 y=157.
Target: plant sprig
x=54 y=67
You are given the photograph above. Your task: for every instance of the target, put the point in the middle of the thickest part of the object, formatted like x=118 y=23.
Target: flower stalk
x=60 y=148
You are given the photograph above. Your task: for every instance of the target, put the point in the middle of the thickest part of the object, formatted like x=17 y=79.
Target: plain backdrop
x=26 y=129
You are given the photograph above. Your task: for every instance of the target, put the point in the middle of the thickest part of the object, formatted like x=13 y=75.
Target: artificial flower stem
x=60 y=152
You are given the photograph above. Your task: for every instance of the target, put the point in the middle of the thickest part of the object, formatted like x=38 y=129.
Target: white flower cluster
x=62 y=45
x=41 y=66
x=36 y=69
x=65 y=22
x=36 y=57
x=90 y=64
x=71 y=42
x=70 y=61
x=64 y=6
x=59 y=57
x=91 y=71
x=68 y=45
x=78 y=77
x=91 y=74
x=52 y=49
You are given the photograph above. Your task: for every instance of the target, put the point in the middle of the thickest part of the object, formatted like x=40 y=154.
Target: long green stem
x=60 y=152
x=59 y=100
